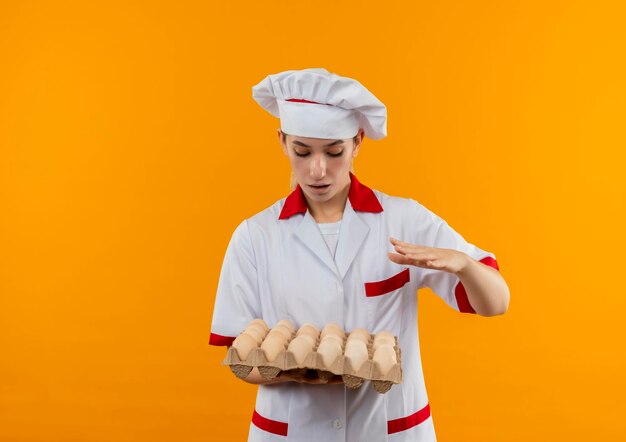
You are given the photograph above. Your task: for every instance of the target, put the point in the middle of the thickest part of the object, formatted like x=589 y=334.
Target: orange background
x=130 y=148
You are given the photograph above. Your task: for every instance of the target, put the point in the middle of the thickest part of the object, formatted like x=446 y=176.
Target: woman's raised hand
x=447 y=260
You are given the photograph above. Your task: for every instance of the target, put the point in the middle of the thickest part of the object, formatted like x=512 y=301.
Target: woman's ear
x=280 y=140
x=357 y=143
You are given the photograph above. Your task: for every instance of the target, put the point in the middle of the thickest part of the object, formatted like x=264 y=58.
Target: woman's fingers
x=395 y=242
x=399 y=259
x=424 y=261
x=419 y=261
x=404 y=259
x=416 y=252
x=420 y=256
x=404 y=248
x=448 y=260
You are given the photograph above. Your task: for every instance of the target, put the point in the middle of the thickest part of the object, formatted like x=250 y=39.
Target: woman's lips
x=319 y=188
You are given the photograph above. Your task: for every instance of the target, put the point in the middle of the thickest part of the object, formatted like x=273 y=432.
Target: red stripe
x=298 y=100
x=404 y=423
x=221 y=340
x=387 y=285
x=269 y=425
x=461 y=295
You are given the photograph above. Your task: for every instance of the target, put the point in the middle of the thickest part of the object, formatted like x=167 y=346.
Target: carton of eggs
x=355 y=355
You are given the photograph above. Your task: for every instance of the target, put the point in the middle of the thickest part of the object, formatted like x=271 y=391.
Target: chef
x=336 y=250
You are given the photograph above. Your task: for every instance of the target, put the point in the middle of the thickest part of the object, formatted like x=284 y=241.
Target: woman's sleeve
x=237 y=299
x=433 y=231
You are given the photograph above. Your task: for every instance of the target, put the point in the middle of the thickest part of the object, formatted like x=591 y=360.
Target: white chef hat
x=318 y=104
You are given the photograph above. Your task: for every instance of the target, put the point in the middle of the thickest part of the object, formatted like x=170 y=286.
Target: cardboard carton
x=313 y=364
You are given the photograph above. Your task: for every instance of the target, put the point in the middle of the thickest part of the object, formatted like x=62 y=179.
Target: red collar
x=362 y=198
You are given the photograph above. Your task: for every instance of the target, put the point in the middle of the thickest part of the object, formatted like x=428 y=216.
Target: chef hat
x=318 y=104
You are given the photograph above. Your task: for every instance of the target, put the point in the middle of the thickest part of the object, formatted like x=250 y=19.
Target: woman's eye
x=306 y=154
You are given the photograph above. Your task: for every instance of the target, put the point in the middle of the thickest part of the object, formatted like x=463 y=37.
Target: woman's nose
x=318 y=168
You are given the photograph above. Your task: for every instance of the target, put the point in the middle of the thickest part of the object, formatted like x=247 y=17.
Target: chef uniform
x=278 y=266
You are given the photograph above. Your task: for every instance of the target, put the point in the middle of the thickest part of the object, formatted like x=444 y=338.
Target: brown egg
x=385 y=357
x=256 y=333
x=311 y=334
x=383 y=341
x=261 y=323
x=332 y=337
x=301 y=346
x=243 y=344
x=334 y=329
x=356 y=343
x=284 y=330
x=308 y=339
x=277 y=334
x=383 y=337
x=272 y=346
x=329 y=350
x=356 y=351
x=383 y=334
x=308 y=329
x=287 y=324
x=257 y=326
x=360 y=334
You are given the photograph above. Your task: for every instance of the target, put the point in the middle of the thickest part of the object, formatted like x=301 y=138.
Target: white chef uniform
x=277 y=266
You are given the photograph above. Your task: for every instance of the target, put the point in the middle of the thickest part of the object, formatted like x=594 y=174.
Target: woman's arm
x=486 y=289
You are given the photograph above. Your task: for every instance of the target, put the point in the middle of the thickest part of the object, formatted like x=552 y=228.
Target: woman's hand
x=447 y=260
x=486 y=289
x=287 y=377
x=254 y=377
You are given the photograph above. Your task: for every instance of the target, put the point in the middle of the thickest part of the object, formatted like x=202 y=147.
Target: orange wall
x=130 y=148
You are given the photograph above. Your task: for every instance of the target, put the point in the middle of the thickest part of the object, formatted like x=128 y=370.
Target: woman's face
x=321 y=166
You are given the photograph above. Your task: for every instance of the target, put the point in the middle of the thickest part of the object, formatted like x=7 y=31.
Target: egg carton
x=341 y=366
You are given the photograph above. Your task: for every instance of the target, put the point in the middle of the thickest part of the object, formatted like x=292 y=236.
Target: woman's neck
x=332 y=210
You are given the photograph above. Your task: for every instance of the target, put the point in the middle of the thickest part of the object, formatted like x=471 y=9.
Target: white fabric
x=345 y=105
x=281 y=269
x=317 y=120
x=330 y=232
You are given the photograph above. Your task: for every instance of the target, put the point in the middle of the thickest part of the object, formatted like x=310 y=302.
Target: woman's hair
x=292 y=179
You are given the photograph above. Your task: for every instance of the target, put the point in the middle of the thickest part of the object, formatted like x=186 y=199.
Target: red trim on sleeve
x=387 y=285
x=404 y=423
x=488 y=260
x=221 y=340
x=269 y=425
x=461 y=295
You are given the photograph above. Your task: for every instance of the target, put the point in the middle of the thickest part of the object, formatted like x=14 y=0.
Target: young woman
x=335 y=250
